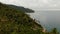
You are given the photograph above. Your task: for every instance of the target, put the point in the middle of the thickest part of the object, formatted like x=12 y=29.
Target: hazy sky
x=35 y=4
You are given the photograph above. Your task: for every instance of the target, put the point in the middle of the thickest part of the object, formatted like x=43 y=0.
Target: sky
x=35 y=4
x=52 y=17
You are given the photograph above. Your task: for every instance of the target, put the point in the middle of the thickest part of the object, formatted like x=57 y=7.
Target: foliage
x=14 y=21
x=54 y=31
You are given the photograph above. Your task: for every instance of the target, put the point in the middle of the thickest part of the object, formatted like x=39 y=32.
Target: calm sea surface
x=48 y=19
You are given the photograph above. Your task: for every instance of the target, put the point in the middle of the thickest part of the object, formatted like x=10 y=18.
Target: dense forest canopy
x=27 y=10
x=13 y=21
x=16 y=21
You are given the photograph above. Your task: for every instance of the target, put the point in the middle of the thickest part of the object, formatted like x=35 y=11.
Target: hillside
x=27 y=10
x=14 y=21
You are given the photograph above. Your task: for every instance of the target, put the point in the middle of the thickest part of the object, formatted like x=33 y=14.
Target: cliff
x=13 y=21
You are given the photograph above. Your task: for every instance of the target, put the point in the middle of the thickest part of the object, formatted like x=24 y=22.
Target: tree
x=54 y=31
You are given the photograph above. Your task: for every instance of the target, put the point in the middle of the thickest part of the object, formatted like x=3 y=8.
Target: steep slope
x=27 y=10
x=13 y=21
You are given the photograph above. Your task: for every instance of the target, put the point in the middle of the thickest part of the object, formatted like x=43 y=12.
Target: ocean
x=48 y=19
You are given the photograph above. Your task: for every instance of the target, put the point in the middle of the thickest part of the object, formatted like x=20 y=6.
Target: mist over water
x=48 y=19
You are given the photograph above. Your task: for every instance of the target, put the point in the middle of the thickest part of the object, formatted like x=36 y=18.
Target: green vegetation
x=54 y=31
x=13 y=21
x=16 y=22
x=27 y=10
